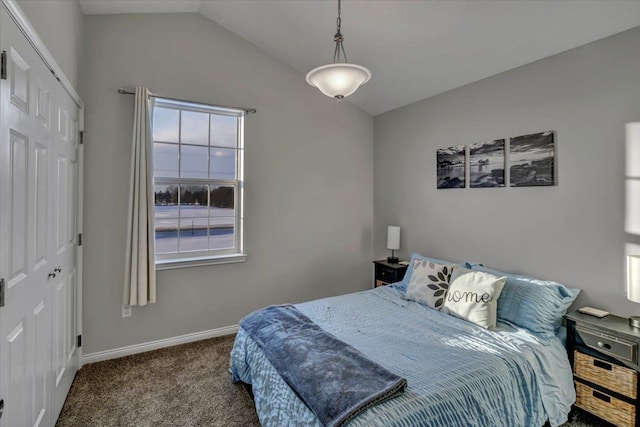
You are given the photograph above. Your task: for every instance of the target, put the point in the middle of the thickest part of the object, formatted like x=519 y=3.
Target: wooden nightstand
x=386 y=273
x=604 y=357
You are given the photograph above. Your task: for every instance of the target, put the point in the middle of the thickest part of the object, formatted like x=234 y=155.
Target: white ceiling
x=414 y=49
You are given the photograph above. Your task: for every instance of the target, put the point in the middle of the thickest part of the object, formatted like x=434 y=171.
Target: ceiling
x=414 y=49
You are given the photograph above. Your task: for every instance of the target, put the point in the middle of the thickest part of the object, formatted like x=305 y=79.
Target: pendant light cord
x=339 y=38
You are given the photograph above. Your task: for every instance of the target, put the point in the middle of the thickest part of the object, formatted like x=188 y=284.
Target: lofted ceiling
x=414 y=49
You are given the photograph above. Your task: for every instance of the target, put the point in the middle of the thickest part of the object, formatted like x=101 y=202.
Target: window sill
x=171 y=264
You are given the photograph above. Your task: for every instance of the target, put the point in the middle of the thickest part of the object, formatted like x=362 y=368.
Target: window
x=197 y=175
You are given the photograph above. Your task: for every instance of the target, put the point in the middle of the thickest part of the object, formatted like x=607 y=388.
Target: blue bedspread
x=458 y=373
x=335 y=380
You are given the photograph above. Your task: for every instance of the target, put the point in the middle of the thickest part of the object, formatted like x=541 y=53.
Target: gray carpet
x=185 y=385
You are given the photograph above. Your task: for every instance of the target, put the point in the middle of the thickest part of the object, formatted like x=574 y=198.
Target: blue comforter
x=458 y=373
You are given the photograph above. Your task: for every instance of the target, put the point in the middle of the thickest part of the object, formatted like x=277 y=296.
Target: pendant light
x=339 y=79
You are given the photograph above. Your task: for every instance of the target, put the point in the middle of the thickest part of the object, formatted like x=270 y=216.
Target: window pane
x=222 y=200
x=222 y=217
x=223 y=163
x=193 y=234
x=166 y=218
x=224 y=131
x=195 y=128
x=194 y=201
x=166 y=124
x=193 y=161
x=165 y=160
x=166 y=200
x=167 y=239
x=221 y=233
x=194 y=210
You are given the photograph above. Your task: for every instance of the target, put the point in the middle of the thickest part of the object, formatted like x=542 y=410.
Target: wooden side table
x=386 y=273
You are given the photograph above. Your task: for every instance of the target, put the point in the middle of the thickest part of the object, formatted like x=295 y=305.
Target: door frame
x=16 y=13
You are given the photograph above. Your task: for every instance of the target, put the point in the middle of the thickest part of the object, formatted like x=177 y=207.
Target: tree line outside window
x=220 y=197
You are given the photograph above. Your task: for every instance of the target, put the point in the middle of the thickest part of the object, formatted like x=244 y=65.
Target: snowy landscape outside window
x=198 y=172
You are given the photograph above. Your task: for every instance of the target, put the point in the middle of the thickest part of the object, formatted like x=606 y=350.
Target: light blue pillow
x=534 y=304
x=407 y=276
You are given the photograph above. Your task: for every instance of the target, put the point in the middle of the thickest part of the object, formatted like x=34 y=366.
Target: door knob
x=58 y=269
x=52 y=275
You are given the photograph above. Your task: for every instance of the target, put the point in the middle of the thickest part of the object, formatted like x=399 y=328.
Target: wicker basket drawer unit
x=615 y=411
x=613 y=377
x=604 y=354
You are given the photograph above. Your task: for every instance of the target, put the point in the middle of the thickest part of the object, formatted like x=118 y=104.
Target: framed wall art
x=532 y=160
x=451 y=164
x=486 y=164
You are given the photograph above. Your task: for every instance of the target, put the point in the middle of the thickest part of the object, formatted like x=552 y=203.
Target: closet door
x=64 y=285
x=25 y=233
x=38 y=173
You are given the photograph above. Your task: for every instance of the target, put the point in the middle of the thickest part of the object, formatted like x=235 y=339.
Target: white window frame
x=165 y=261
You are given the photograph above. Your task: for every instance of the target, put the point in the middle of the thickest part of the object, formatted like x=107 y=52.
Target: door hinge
x=79 y=341
x=82 y=132
x=79 y=239
x=3 y=65
x=2 y=286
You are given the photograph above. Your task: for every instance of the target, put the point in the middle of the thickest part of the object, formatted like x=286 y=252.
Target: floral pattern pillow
x=429 y=283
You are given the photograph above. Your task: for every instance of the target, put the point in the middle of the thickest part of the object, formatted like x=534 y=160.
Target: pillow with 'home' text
x=429 y=283
x=473 y=296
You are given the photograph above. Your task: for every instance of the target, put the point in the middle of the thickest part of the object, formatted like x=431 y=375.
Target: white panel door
x=37 y=236
x=65 y=148
x=25 y=258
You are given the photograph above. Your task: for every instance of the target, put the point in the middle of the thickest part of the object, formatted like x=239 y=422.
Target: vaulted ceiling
x=414 y=49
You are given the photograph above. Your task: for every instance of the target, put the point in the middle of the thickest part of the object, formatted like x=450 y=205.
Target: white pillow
x=429 y=283
x=473 y=296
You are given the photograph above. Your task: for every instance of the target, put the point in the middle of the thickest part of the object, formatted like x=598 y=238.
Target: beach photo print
x=451 y=167
x=532 y=160
x=486 y=164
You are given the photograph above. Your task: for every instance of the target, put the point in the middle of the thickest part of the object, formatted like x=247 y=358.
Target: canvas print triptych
x=531 y=163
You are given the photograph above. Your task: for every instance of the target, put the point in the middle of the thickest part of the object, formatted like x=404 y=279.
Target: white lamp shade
x=633 y=278
x=338 y=79
x=393 y=237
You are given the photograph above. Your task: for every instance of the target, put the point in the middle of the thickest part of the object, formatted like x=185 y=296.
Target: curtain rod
x=122 y=91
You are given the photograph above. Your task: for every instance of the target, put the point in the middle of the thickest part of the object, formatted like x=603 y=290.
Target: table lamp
x=633 y=285
x=393 y=243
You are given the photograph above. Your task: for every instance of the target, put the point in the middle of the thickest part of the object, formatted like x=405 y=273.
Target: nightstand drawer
x=613 y=346
x=385 y=273
x=613 y=377
x=616 y=411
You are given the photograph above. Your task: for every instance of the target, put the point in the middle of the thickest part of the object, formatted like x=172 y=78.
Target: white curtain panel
x=140 y=272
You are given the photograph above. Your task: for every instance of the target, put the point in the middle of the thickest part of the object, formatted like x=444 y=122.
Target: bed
x=458 y=374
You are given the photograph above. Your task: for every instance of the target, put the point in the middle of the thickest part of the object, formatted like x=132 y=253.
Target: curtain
x=140 y=271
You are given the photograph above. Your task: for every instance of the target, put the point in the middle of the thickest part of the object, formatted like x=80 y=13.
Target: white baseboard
x=154 y=345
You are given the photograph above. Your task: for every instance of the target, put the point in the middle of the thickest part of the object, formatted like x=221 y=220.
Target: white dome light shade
x=339 y=79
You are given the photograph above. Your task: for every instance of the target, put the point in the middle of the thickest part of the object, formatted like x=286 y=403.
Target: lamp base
x=634 y=321
x=393 y=260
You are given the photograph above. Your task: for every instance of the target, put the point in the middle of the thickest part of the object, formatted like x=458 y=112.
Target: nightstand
x=604 y=357
x=386 y=273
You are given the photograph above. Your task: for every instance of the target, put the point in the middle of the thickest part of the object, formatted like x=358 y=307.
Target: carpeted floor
x=186 y=385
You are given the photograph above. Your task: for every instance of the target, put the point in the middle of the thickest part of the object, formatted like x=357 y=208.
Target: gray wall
x=573 y=232
x=309 y=179
x=59 y=24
